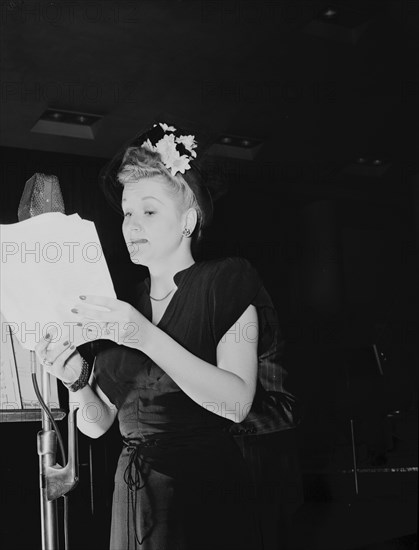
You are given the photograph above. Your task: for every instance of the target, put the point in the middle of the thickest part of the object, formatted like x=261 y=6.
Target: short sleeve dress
x=181 y=482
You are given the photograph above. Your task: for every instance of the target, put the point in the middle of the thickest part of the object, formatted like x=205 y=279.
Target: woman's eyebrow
x=151 y=197
x=144 y=198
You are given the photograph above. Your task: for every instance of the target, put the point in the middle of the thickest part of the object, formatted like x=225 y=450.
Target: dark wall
x=342 y=274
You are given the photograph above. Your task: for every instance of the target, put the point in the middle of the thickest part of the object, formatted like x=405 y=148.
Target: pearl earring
x=186 y=232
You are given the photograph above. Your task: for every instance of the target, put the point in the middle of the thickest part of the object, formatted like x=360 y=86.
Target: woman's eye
x=146 y=212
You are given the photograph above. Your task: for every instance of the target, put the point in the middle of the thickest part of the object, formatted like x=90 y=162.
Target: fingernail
x=82 y=297
x=65 y=343
x=79 y=324
x=74 y=310
x=71 y=347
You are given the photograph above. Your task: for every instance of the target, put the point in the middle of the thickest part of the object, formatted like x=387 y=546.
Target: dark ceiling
x=260 y=69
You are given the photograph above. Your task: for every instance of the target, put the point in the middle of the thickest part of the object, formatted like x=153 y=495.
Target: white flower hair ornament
x=175 y=149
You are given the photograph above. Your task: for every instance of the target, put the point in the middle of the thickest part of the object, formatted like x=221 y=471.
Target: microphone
x=41 y=194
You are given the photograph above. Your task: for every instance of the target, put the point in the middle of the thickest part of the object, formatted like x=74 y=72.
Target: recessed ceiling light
x=330 y=12
x=61 y=122
x=377 y=162
x=360 y=160
x=233 y=146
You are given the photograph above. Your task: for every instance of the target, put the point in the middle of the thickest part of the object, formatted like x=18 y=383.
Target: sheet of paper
x=15 y=375
x=47 y=262
x=10 y=393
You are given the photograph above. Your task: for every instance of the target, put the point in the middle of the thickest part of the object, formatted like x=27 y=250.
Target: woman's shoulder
x=232 y=273
x=226 y=265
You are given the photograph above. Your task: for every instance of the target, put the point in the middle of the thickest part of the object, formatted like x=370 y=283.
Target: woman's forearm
x=94 y=417
x=220 y=391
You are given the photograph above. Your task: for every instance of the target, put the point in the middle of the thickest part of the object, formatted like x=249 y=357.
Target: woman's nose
x=135 y=232
x=134 y=223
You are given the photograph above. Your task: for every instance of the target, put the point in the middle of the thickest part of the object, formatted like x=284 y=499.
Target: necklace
x=164 y=297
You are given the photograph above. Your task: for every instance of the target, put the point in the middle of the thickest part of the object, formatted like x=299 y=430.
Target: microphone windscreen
x=41 y=194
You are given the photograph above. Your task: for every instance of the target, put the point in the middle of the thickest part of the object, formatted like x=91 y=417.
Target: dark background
x=335 y=240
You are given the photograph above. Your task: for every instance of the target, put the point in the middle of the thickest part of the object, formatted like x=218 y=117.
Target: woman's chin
x=137 y=260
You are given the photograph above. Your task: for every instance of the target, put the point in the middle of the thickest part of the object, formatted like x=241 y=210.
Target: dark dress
x=181 y=481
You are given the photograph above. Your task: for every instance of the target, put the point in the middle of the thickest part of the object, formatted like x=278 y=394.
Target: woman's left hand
x=116 y=320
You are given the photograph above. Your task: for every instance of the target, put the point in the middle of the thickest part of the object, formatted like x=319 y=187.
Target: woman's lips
x=133 y=245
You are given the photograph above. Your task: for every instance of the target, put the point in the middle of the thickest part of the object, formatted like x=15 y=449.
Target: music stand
x=18 y=399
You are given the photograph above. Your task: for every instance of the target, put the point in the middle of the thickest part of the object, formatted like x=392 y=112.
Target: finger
x=102 y=301
x=42 y=345
x=88 y=330
x=86 y=313
x=56 y=365
x=61 y=351
x=56 y=368
x=98 y=331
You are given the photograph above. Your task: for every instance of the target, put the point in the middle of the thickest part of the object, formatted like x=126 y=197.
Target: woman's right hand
x=62 y=360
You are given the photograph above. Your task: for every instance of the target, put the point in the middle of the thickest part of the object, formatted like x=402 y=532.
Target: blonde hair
x=140 y=163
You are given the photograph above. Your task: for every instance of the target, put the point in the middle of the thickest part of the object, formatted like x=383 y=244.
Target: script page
x=47 y=262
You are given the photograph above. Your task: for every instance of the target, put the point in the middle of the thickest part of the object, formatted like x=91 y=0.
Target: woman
x=185 y=368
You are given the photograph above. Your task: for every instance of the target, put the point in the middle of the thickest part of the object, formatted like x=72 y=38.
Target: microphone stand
x=54 y=480
x=47 y=448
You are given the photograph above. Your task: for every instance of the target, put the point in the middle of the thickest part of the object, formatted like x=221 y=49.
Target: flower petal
x=167 y=128
x=149 y=146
